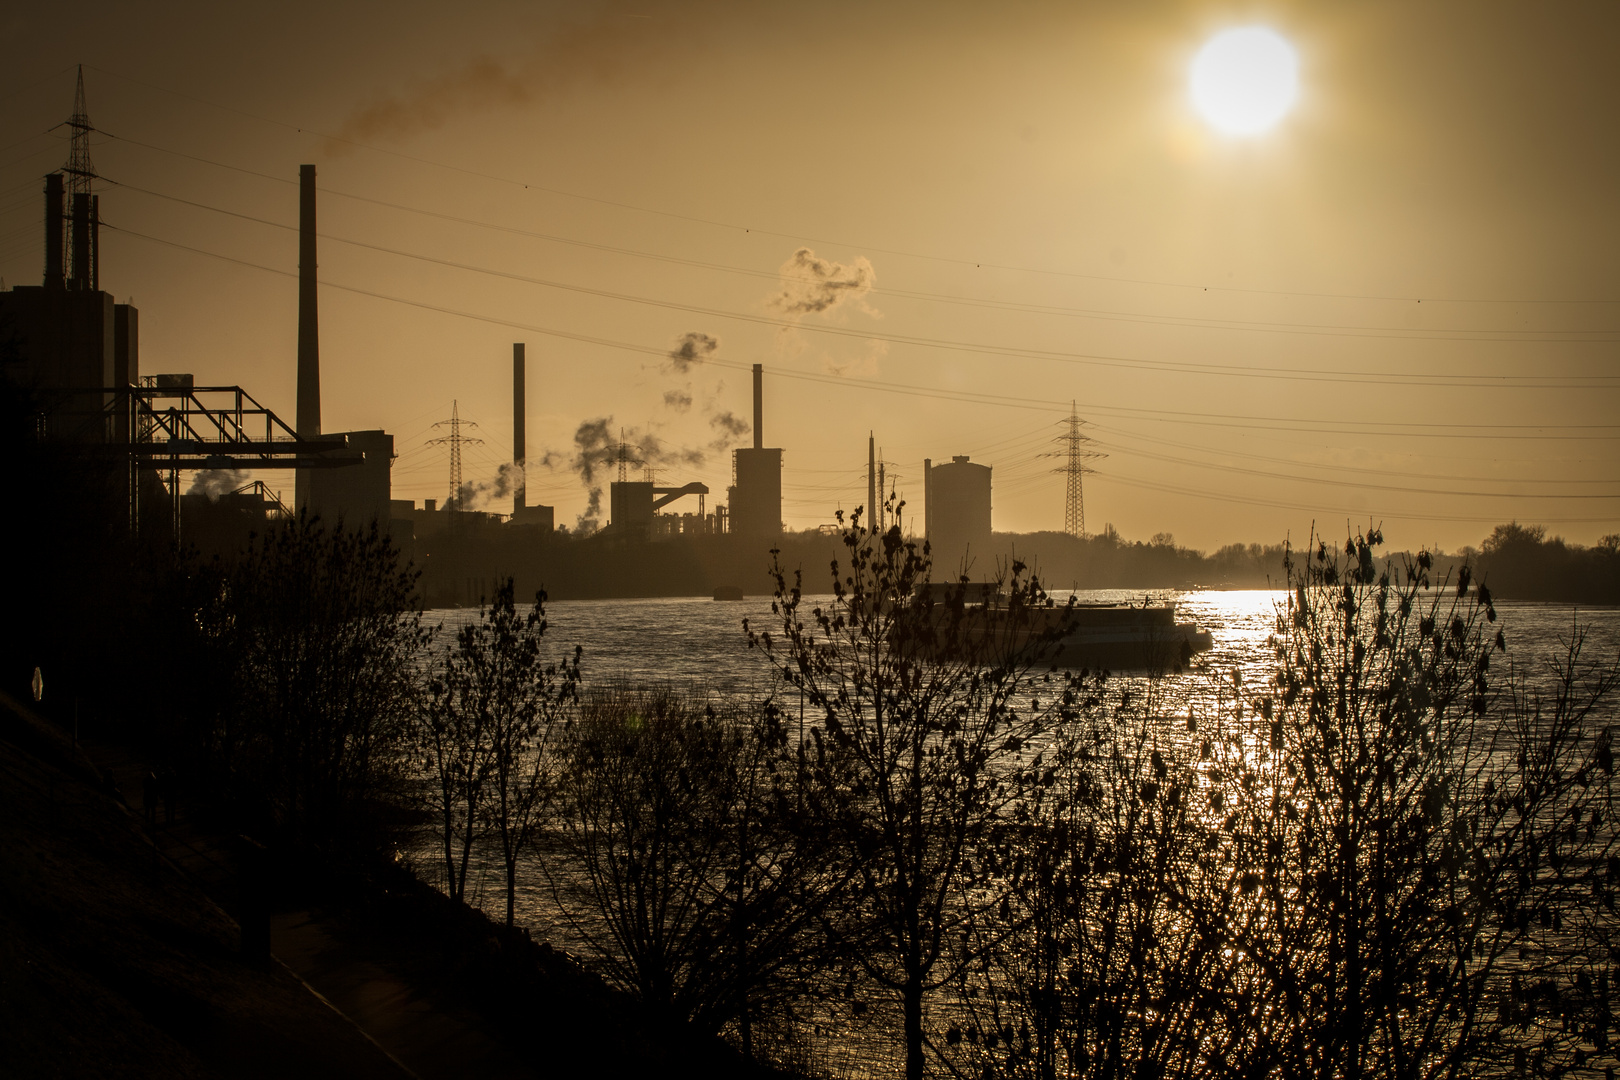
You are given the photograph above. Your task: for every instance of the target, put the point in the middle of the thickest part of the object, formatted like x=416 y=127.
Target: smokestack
x=81 y=240
x=871 y=480
x=520 y=402
x=95 y=242
x=883 y=498
x=309 y=334
x=759 y=406
x=928 y=497
x=53 y=232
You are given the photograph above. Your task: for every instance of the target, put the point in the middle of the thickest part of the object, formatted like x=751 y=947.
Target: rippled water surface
x=698 y=645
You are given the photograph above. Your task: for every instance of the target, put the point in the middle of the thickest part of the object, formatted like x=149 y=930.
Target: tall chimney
x=309 y=334
x=883 y=496
x=928 y=498
x=520 y=402
x=95 y=242
x=53 y=231
x=871 y=481
x=81 y=240
x=759 y=406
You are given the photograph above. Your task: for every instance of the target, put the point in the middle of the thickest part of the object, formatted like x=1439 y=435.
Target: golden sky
x=1402 y=304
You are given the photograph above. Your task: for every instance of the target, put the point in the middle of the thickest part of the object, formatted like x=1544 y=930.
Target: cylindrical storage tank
x=959 y=520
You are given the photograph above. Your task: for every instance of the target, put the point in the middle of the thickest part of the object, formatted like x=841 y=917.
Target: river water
x=697 y=646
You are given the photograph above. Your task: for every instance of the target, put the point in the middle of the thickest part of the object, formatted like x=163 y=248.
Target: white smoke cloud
x=216 y=482
x=815 y=286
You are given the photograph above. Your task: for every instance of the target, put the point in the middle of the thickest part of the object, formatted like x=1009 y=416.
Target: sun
x=1244 y=80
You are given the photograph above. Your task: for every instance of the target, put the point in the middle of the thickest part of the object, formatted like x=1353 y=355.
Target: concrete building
x=356 y=494
x=956 y=501
x=755 y=495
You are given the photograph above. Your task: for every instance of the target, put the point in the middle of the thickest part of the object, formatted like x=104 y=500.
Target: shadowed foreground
x=113 y=964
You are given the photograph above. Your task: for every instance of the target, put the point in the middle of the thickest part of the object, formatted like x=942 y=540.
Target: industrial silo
x=957 y=505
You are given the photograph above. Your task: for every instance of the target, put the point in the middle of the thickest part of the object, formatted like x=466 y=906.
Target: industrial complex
x=75 y=354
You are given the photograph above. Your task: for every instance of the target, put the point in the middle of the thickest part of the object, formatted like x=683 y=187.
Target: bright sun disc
x=1245 y=80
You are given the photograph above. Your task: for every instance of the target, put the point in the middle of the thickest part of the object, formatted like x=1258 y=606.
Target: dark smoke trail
x=692 y=348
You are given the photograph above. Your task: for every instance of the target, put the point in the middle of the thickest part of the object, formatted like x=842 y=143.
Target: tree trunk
x=914 y=1031
x=466 y=850
x=511 y=887
x=452 y=884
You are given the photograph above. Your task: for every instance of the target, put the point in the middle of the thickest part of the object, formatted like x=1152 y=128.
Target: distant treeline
x=1518 y=561
x=457 y=567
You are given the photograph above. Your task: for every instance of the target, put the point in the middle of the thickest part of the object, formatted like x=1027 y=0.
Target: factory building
x=956 y=502
x=75 y=355
x=540 y=518
x=65 y=333
x=754 y=499
x=630 y=508
x=357 y=494
x=633 y=507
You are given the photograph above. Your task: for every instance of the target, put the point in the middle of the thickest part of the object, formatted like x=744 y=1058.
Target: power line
x=1246 y=422
x=731 y=226
x=1364 y=485
x=1247 y=500
x=1407 y=379
x=1157 y=440
x=1581 y=336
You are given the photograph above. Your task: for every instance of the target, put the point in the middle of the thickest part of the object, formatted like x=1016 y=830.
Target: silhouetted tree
x=327 y=632
x=486 y=732
x=1390 y=857
x=680 y=872
x=1404 y=826
x=1099 y=970
x=921 y=710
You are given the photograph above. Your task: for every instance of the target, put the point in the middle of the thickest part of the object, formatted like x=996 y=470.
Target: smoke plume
x=692 y=348
x=596 y=459
x=474 y=493
x=507 y=480
x=814 y=286
x=728 y=424
x=592 y=54
x=216 y=482
x=679 y=400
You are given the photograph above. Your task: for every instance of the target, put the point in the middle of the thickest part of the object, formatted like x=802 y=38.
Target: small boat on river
x=1097 y=636
x=1119 y=637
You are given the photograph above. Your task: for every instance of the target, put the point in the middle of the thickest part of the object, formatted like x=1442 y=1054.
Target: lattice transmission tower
x=628 y=461
x=456 y=440
x=80 y=238
x=1075 y=453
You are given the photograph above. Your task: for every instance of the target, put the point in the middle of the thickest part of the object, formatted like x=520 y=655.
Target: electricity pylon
x=1076 y=454
x=456 y=440
x=621 y=454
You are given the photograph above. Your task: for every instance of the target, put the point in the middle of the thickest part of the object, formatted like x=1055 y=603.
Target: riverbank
x=119 y=955
x=114 y=964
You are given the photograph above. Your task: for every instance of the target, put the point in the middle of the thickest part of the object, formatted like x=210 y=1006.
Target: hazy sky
x=1401 y=304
